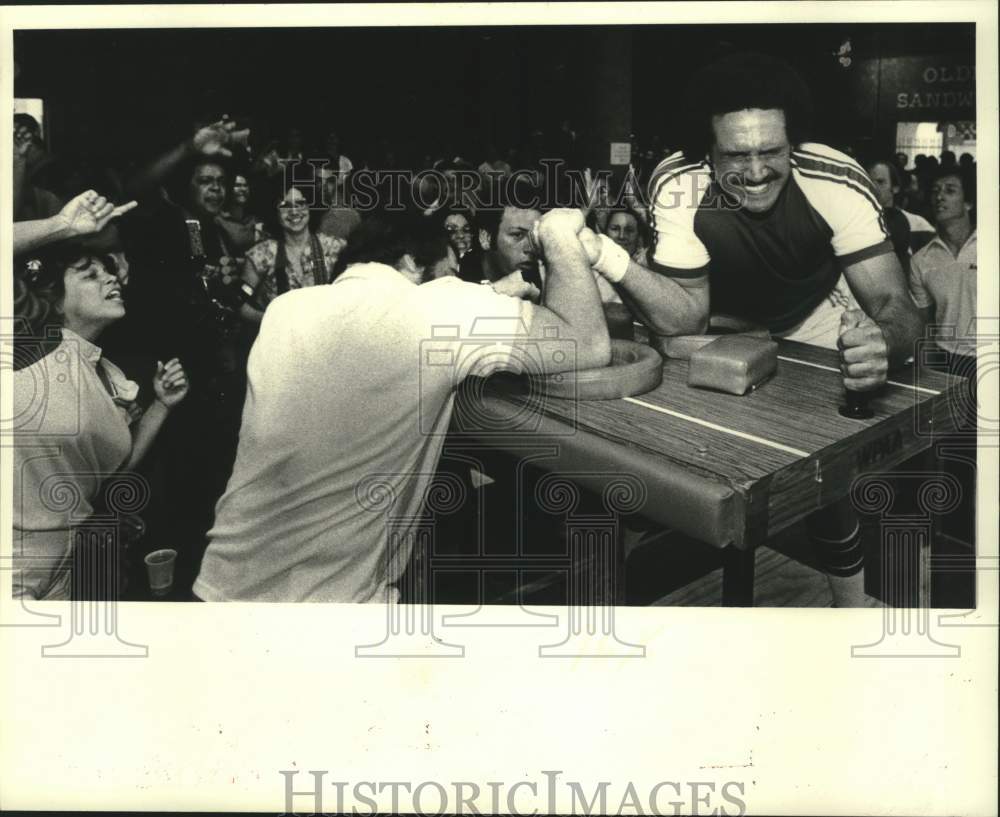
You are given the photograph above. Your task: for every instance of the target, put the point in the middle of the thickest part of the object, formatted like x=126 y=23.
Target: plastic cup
x=160 y=569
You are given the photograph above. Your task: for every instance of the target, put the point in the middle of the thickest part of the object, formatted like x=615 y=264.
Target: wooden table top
x=784 y=449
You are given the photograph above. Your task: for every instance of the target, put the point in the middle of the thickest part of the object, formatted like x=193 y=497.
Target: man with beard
x=753 y=220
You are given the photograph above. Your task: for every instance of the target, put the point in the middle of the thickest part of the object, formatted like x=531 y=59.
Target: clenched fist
x=864 y=354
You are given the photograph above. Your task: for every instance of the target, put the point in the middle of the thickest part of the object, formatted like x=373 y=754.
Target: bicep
x=877 y=282
x=546 y=324
x=551 y=338
x=695 y=286
x=669 y=299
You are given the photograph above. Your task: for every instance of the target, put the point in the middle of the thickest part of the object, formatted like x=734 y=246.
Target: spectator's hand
x=170 y=383
x=215 y=139
x=864 y=355
x=121 y=260
x=90 y=213
x=515 y=286
x=267 y=160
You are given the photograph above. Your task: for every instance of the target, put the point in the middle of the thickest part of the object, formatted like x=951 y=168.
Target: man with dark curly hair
x=752 y=219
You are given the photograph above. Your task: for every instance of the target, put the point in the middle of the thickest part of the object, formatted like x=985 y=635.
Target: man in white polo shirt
x=339 y=391
x=943 y=273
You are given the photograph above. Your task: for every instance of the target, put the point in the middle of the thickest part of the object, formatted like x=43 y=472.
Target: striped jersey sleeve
x=843 y=195
x=675 y=192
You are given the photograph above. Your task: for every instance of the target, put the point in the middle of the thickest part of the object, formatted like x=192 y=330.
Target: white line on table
x=835 y=369
x=770 y=443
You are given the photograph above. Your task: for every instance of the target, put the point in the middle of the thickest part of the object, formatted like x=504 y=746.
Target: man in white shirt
x=355 y=381
x=943 y=273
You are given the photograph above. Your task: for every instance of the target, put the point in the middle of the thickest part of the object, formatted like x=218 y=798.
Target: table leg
x=737 y=577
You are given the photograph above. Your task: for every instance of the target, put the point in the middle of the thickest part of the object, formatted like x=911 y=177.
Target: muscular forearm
x=901 y=324
x=665 y=306
x=145 y=431
x=29 y=235
x=571 y=293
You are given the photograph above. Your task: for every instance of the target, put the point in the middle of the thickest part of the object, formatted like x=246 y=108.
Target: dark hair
x=895 y=176
x=965 y=175
x=740 y=82
x=645 y=236
x=386 y=237
x=179 y=183
x=44 y=272
x=278 y=192
x=512 y=191
x=231 y=181
x=440 y=216
x=26 y=120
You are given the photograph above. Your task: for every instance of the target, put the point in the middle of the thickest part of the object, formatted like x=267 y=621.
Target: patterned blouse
x=264 y=255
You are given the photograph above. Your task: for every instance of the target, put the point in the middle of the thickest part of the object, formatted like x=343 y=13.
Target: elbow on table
x=594 y=352
x=691 y=325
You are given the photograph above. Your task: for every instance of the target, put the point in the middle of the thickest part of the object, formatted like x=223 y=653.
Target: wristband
x=613 y=261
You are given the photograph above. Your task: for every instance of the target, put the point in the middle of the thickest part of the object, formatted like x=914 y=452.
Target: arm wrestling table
x=729 y=471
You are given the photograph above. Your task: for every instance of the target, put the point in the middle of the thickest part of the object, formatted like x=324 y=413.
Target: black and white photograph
x=512 y=358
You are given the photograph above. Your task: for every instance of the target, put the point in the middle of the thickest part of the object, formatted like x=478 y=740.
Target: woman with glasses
x=299 y=257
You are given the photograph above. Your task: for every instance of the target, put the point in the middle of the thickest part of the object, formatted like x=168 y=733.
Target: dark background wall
x=125 y=93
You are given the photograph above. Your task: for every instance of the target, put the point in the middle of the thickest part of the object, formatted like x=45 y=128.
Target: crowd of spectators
x=199 y=240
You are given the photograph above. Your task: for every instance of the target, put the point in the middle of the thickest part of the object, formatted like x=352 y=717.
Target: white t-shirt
x=350 y=393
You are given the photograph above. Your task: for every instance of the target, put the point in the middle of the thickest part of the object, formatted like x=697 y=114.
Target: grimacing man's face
x=751 y=156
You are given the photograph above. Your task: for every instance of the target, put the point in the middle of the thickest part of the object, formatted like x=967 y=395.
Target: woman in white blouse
x=76 y=420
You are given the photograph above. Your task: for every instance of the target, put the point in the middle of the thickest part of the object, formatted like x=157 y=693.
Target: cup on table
x=160 y=569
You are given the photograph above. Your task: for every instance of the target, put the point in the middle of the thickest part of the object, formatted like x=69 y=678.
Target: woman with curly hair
x=298 y=257
x=77 y=419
